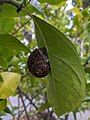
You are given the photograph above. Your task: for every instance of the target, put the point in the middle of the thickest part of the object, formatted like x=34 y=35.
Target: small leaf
x=66 y=82
x=78 y=13
x=79 y=2
x=51 y=1
x=9 y=84
x=8 y=41
x=88 y=86
x=3 y=104
x=7 y=110
x=87 y=68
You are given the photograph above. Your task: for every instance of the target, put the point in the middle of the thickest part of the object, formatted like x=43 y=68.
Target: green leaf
x=51 y=1
x=5 y=57
x=8 y=10
x=2 y=113
x=14 y=60
x=66 y=81
x=10 y=42
x=87 y=68
x=6 y=27
x=9 y=84
x=3 y=104
x=7 y=110
x=79 y=2
x=88 y=86
x=3 y=62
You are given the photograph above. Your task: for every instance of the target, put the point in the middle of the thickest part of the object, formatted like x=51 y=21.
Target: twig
x=23 y=110
x=11 y=107
x=30 y=100
x=21 y=26
x=18 y=109
x=38 y=93
x=24 y=75
x=20 y=94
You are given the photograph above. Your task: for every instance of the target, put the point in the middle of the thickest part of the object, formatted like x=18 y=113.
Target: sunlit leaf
x=51 y=1
x=66 y=82
x=78 y=13
x=79 y=2
x=9 y=84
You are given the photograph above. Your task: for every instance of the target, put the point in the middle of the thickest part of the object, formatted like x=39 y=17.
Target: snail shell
x=38 y=63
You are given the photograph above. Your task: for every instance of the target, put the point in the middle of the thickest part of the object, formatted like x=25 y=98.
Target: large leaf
x=51 y=1
x=66 y=83
x=9 y=84
x=3 y=104
x=8 y=41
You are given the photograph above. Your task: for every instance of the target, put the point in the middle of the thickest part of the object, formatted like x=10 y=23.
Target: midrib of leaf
x=43 y=40
x=49 y=55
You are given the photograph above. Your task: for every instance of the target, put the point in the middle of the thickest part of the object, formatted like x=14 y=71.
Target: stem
x=20 y=28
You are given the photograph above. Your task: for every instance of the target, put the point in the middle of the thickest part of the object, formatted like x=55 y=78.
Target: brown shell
x=38 y=63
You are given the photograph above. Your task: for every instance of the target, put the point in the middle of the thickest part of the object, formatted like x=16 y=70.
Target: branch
x=15 y=3
x=21 y=26
x=38 y=92
x=19 y=89
x=20 y=94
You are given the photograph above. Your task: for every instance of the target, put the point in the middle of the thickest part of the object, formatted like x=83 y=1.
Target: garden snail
x=38 y=63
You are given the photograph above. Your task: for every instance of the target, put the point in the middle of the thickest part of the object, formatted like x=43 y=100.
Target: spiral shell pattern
x=38 y=63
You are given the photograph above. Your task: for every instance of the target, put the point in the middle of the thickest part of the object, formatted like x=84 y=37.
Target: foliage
x=63 y=89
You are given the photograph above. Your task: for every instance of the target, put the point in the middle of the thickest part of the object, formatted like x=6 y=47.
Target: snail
x=38 y=63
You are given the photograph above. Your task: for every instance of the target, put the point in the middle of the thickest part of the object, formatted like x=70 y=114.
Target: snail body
x=38 y=63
